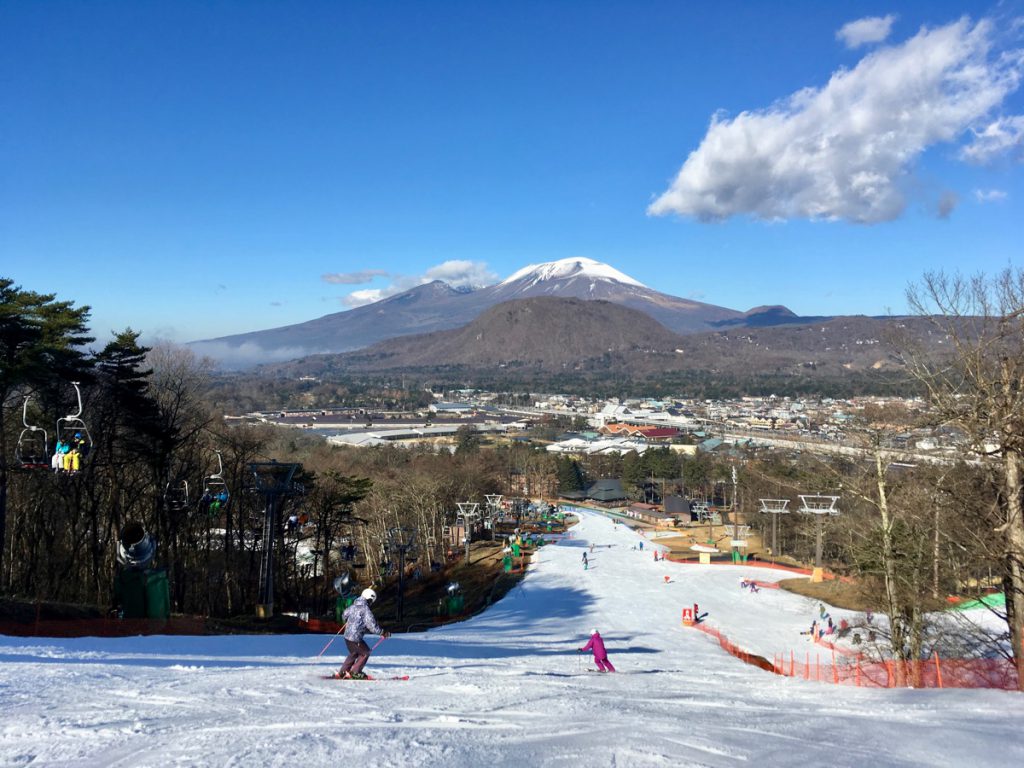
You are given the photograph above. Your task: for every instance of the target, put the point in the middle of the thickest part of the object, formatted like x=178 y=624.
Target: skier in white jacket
x=359 y=621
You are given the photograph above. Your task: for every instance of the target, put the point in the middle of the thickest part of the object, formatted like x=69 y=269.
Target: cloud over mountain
x=458 y=273
x=847 y=150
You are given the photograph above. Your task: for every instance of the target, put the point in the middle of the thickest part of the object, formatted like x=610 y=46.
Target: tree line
x=157 y=438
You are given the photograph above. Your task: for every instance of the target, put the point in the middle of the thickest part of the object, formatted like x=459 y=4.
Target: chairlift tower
x=275 y=482
x=493 y=510
x=774 y=507
x=401 y=540
x=468 y=511
x=819 y=506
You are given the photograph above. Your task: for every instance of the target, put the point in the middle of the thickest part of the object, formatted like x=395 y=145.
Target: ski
x=365 y=679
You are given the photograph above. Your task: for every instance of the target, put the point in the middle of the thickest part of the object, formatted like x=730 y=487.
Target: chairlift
x=73 y=434
x=33 y=450
x=176 y=496
x=216 y=495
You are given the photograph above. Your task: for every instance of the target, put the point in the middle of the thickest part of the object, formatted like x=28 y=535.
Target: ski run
x=505 y=688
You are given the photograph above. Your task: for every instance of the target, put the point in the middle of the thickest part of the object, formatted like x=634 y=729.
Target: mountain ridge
x=546 y=336
x=436 y=306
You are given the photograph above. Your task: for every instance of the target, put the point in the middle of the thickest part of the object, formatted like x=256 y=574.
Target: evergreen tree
x=570 y=475
x=41 y=340
x=130 y=411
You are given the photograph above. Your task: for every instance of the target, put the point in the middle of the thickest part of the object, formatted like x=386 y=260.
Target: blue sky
x=194 y=170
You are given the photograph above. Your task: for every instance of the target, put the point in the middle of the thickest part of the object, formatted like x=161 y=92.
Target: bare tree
x=977 y=384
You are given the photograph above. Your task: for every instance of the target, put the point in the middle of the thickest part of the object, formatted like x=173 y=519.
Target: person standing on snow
x=359 y=621
x=586 y=563
x=596 y=644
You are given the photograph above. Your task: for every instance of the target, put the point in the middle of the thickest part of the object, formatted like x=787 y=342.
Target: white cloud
x=871 y=29
x=368 y=296
x=1004 y=135
x=847 y=150
x=353 y=278
x=231 y=357
x=989 y=195
x=458 y=273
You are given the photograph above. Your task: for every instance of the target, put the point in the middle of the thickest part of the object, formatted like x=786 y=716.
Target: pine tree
x=570 y=476
x=41 y=340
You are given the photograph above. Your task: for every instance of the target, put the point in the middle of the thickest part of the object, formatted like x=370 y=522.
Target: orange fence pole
x=792 y=664
x=807 y=666
x=938 y=670
x=817 y=667
x=858 y=671
x=835 y=669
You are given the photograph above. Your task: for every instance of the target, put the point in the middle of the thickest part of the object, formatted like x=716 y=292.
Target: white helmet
x=368 y=595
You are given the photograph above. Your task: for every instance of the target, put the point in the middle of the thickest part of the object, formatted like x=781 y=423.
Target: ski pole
x=382 y=639
x=332 y=640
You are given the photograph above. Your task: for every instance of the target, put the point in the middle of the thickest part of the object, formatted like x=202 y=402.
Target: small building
x=607 y=490
x=679 y=507
x=658 y=434
x=451 y=408
x=711 y=444
x=649 y=513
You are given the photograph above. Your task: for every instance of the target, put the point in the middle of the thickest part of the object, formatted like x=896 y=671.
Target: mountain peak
x=570 y=268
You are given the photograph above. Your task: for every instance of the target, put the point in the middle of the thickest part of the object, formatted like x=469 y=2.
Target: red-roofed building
x=658 y=433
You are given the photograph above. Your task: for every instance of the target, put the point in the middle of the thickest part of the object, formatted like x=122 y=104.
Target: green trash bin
x=456 y=604
x=158 y=594
x=144 y=594
x=130 y=594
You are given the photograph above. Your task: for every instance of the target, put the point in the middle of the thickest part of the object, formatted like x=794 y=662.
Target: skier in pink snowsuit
x=596 y=644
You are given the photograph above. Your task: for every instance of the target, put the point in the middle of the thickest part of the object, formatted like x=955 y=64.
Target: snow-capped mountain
x=437 y=306
x=583 y=269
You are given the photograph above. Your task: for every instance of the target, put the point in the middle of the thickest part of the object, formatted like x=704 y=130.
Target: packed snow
x=572 y=267
x=505 y=688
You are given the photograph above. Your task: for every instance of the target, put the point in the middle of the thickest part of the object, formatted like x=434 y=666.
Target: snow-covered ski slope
x=506 y=688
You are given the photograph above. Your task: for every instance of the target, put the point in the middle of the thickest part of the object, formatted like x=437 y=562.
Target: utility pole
x=735 y=517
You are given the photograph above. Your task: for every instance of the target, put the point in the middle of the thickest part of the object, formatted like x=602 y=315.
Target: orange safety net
x=919 y=673
x=846 y=670
x=735 y=650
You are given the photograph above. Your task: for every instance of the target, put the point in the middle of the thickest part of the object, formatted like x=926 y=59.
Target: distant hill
x=559 y=336
x=544 y=332
x=437 y=306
